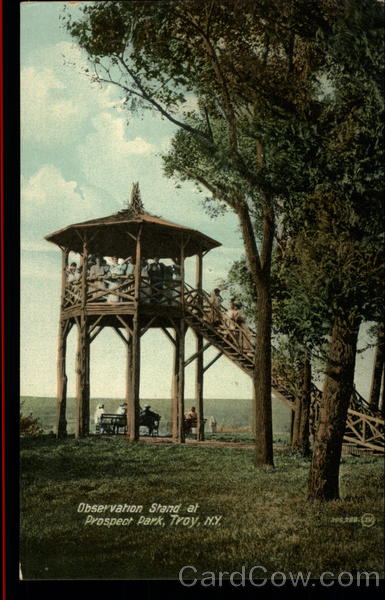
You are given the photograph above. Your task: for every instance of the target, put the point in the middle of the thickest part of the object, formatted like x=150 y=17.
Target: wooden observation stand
x=137 y=303
x=140 y=304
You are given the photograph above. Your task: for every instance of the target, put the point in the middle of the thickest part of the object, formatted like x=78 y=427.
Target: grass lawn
x=265 y=519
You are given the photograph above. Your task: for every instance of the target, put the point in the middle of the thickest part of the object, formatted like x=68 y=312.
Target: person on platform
x=168 y=284
x=129 y=266
x=73 y=273
x=129 y=277
x=156 y=276
x=73 y=282
x=177 y=282
x=238 y=328
x=215 y=316
x=116 y=274
x=97 y=276
x=145 y=289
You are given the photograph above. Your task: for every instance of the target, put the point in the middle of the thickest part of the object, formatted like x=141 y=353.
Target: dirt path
x=207 y=443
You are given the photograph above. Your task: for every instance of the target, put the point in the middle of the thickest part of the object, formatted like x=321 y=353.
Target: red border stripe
x=3 y=456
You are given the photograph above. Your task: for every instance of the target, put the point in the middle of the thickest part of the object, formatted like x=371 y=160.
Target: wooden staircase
x=364 y=426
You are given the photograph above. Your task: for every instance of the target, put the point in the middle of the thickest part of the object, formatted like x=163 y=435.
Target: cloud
x=57 y=98
x=44 y=117
x=111 y=161
x=34 y=246
x=50 y=202
x=39 y=271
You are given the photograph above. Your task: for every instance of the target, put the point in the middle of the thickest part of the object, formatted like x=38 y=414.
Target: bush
x=30 y=426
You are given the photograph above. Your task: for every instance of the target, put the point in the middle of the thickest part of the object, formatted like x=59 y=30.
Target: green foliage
x=30 y=426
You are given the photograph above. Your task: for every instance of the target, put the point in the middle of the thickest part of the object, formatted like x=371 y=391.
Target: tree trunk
x=382 y=399
x=260 y=269
x=296 y=422
x=82 y=380
x=181 y=382
x=337 y=391
x=379 y=359
x=175 y=387
x=262 y=380
x=303 y=444
x=292 y=417
x=61 y=405
x=301 y=428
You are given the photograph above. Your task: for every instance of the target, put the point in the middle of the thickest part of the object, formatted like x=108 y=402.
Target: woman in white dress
x=116 y=272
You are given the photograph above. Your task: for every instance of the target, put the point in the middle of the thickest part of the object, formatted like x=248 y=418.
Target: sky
x=80 y=153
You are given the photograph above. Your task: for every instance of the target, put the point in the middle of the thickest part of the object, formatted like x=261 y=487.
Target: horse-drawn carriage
x=113 y=424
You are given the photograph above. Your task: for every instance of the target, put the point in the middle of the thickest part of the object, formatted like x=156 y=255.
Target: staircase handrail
x=199 y=300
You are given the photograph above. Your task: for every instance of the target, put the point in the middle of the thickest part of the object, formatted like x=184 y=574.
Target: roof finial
x=136 y=205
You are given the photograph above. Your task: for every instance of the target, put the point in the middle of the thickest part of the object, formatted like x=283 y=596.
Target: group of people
x=159 y=282
x=146 y=414
x=233 y=319
x=114 y=422
x=101 y=276
x=121 y=411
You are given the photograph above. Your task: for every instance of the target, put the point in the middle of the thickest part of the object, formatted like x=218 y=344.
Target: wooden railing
x=365 y=429
x=115 y=288
x=238 y=336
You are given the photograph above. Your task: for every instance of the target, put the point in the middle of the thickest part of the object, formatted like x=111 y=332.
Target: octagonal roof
x=112 y=235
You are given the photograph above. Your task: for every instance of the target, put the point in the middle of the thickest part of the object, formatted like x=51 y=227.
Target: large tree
x=341 y=243
x=246 y=63
x=331 y=213
x=256 y=71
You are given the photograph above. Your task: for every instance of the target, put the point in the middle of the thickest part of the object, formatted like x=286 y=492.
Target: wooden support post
x=128 y=397
x=83 y=359
x=199 y=373
x=82 y=381
x=182 y=273
x=61 y=405
x=61 y=421
x=135 y=348
x=180 y=382
x=212 y=361
x=175 y=386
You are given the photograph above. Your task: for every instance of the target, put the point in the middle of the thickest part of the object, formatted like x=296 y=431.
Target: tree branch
x=159 y=107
